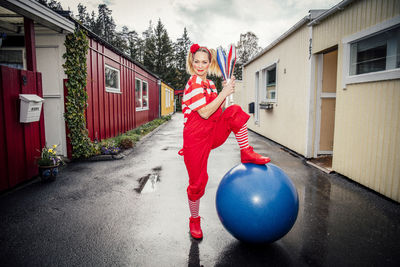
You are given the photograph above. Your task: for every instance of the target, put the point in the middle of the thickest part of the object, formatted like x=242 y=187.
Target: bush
x=126 y=142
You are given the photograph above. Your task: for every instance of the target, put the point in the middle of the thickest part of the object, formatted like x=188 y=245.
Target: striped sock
x=194 y=207
x=242 y=137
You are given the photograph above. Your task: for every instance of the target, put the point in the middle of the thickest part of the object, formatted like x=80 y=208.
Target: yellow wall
x=367 y=129
x=167 y=105
x=286 y=123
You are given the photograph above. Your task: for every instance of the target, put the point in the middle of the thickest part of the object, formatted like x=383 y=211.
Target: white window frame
x=166 y=96
x=264 y=76
x=141 y=95
x=145 y=108
x=371 y=76
x=111 y=89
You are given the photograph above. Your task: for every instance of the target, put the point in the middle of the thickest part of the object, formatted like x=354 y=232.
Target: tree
x=149 y=48
x=84 y=17
x=182 y=47
x=164 y=63
x=52 y=4
x=105 y=25
x=246 y=48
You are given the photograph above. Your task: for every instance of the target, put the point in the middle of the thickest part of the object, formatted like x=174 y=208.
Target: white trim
x=325 y=152
x=328 y=95
x=372 y=76
x=111 y=89
x=310 y=111
x=140 y=92
x=145 y=108
x=320 y=58
x=256 y=96
x=141 y=95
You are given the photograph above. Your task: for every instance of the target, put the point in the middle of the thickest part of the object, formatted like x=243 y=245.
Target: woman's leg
x=234 y=119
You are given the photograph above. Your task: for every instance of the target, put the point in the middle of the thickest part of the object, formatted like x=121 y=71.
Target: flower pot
x=48 y=173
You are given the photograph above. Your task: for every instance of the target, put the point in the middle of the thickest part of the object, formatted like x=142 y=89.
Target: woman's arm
x=208 y=110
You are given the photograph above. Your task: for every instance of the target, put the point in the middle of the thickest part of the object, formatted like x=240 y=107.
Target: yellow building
x=167 y=99
x=331 y=86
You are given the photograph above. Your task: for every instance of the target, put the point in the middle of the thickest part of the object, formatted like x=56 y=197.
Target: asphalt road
x=134 y=212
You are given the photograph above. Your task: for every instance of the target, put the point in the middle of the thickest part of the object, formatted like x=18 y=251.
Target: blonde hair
x=213 y=69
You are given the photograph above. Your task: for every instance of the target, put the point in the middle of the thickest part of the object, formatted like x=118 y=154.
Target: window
x=145 y=95
x=12 y=57
x=112 y=79
x=167 y=98
x=269 y=81
x=138 y=94
x=372 y=54
x=141 y=95
x=377 y=53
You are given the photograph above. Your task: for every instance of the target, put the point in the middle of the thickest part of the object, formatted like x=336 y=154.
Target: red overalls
x=201 y=135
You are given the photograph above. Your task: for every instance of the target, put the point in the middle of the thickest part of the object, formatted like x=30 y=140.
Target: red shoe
x=247 y=155
x=195 y=229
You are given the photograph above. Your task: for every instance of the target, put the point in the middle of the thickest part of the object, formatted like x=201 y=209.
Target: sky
x=209 y=23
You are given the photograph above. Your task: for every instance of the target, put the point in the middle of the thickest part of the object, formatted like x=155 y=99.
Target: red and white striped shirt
x=197 y=94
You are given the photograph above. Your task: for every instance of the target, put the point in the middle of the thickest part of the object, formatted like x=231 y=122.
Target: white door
x=49 y=64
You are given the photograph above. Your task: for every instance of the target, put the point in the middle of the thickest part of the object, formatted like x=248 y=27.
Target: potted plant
x=48 y=163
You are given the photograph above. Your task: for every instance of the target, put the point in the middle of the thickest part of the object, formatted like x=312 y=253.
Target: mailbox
x=31 y=106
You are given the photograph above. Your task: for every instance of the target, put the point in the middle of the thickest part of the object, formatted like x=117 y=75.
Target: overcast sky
x=209 y=22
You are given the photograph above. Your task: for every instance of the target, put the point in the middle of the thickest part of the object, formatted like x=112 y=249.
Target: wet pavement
x=134 y=212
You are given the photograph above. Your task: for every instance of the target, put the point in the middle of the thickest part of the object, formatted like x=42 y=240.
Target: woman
x=207 y=126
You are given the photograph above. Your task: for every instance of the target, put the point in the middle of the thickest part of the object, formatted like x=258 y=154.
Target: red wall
x=20 y=143
x=109 y=114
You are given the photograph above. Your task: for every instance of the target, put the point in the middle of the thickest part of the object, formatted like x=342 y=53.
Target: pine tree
x=182 y=47
x=149 y=49
x=105 y=25
x=83 y=16
x=164 y=64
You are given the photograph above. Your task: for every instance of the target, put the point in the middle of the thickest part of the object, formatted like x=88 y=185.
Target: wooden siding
x=367 y=136
x=355 y=17
x=367 y=130
x=110 y=114
x=164 y=109
x=286 y=122
x=20 y=143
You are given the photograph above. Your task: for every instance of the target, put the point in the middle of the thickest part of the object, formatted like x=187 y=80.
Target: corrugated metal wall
x=367 y=129
x=109 y=114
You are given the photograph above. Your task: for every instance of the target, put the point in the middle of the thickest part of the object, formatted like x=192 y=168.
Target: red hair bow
x=194 y=48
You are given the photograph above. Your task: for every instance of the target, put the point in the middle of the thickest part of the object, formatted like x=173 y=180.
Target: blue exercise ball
x=257 y=203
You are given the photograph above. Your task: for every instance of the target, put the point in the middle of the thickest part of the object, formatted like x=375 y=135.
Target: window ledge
x=266 y=105
x=372 y=77
x=110 y=90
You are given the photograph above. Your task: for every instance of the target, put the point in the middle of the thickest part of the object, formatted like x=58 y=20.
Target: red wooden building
x=122 y=94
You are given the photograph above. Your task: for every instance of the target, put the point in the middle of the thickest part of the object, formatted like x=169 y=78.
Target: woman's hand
x=228 y=88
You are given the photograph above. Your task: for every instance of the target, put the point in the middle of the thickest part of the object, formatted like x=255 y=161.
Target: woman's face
x=201 y=64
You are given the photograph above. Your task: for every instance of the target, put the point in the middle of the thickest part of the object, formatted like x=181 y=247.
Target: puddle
x=149 y=183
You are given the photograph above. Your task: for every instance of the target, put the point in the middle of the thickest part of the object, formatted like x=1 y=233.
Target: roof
x=12 y=13
x=333 y=10
x=312 y=14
